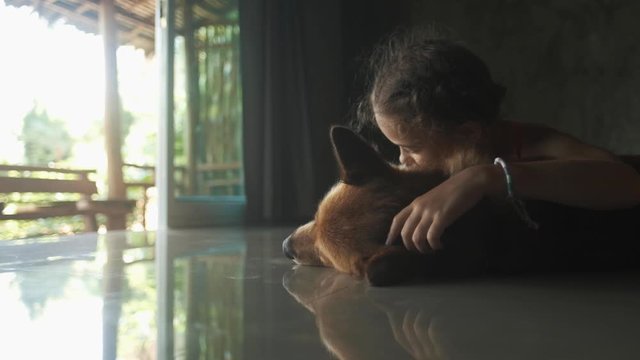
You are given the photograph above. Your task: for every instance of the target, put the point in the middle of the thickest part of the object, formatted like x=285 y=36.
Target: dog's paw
x=391 y=267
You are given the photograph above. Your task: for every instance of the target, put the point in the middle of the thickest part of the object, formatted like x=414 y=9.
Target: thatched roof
x=135 y=18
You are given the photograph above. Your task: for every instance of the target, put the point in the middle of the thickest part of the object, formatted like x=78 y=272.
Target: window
x=201 y=135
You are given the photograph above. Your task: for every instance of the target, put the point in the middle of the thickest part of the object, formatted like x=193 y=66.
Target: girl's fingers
x=407 y=231
x=419 y=232
x=435 y=232
x=419 y=237
x=397 y=225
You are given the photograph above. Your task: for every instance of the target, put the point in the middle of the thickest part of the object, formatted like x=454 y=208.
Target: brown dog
x=352 y=221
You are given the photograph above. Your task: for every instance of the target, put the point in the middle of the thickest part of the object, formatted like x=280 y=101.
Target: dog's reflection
x=355 y=325
x=339 y=303
x=540 y=319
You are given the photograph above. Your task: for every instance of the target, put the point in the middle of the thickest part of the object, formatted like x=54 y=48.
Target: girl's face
x=418 y=149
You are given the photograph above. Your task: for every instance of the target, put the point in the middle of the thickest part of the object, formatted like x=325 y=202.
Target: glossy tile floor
x=230 y=294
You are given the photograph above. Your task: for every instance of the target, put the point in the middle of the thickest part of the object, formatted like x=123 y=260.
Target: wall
x=570 y=64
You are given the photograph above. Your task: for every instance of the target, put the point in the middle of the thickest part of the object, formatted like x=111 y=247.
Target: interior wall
x=570 y=64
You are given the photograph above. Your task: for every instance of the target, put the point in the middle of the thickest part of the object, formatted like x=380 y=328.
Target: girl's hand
x=422 y=223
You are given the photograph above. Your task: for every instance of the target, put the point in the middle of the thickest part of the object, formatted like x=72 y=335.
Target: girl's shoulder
x=537 y=141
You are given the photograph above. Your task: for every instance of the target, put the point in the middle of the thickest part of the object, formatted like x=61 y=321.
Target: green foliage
x=216 y=92
x=139 y=138
x=14 y=229
x=126 y=120
x=45 y=140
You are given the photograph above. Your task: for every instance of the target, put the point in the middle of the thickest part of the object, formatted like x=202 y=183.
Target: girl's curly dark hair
x=421 y=77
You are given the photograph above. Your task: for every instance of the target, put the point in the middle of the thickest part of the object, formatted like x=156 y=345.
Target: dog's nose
x=287 y=249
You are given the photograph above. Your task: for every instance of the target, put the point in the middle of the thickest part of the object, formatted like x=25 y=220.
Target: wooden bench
x=71 y=193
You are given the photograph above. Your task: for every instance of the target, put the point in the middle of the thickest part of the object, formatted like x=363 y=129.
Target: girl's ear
x=358 y=161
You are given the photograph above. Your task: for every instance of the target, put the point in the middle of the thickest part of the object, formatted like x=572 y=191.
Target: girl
x=436 y=101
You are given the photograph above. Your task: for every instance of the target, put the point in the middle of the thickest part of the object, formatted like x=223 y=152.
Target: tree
x=45 y=140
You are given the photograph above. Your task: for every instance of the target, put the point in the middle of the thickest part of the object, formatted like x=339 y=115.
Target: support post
x=193 y=98
x=112 y=113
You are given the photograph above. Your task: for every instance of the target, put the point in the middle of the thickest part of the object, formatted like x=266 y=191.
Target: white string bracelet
x=517 y=204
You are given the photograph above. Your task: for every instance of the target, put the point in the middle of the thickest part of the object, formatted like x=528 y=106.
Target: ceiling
x=135 y=18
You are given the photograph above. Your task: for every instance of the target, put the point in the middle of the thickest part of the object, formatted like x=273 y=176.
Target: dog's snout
x=287 y=248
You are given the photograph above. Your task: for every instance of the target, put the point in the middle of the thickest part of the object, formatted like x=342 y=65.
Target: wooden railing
x=149 y=181
x=210 y=185
x=19 y=184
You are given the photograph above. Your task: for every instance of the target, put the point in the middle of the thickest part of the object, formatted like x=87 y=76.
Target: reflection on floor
x=230 y=294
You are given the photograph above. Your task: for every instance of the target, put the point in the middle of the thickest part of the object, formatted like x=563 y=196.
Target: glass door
x=200 y=177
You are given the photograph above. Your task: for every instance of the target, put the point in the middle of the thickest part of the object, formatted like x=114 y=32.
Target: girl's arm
x=593 y=184
x=576 y=174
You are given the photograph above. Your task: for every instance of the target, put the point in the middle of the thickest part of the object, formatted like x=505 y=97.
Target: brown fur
x=352 y=221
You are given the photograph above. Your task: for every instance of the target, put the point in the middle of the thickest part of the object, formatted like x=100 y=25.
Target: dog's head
x=353 y=219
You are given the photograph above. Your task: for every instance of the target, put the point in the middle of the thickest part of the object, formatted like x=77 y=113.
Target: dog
x=349 y=228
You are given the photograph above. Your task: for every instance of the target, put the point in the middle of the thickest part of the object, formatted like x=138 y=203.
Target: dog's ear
x=358 y=161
